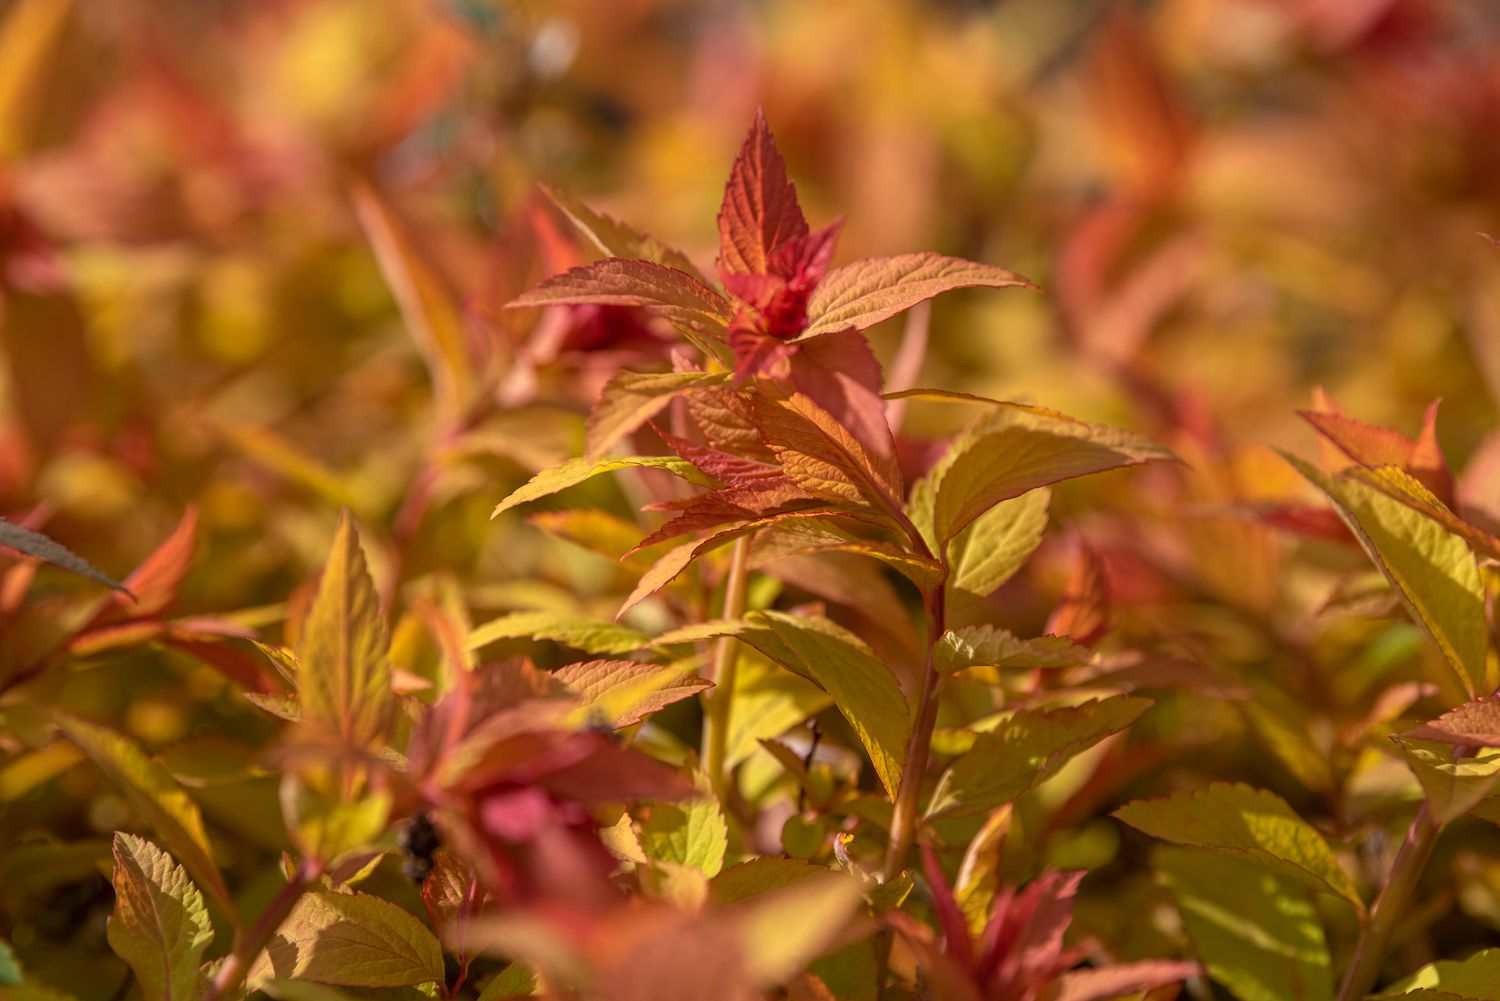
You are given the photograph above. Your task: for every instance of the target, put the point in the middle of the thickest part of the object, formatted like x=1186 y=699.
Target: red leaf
x=1373 y=445
x=617 y=281
x=1083 y=613
x=950 y=916
x=760 y=210
x=1127 y=978
x=804 y=261
x=861 y=294
x=841 y=374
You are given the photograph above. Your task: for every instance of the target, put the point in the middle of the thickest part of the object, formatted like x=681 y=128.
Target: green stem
x=918 y=748
x=254 y=941
x=725 y=665
x=1390 y=906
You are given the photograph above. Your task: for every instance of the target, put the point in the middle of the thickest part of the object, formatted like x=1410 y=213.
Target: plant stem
x=1390 y=906
x=250 y=944
x=918 y=748
x=725 y=664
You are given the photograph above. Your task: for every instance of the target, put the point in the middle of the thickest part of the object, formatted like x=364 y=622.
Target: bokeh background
x=252 y=256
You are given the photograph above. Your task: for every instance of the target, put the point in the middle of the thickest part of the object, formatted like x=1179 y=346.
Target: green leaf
x=1249 y=824
x=1036 y=449
x=988 y=646
x=1476 y=978
x=350 y=940
x=576 y=471
x=157 y=797
x=1432 y=569
x=1030 y=747
x=624 y=692
x=768 y=701
x=1453 y=786
x=999 y=542
x=35 y=544
x=862 y=686
x=343 y=677
x=306 y=990
x=761 y=875
x=865 y=292
x=691 y=833
x=324 y=823
x=576 y=631
x=630 y=399
x=515 y=981
x=10 y=967
x=159 y=925
x=1257 y=933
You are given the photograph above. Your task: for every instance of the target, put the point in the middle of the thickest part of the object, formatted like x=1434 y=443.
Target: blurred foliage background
x=252 y=256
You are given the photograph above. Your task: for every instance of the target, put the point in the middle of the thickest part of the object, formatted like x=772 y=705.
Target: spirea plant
x=801 y=760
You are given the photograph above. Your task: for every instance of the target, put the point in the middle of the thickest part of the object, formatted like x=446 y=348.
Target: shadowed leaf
x=159 y=925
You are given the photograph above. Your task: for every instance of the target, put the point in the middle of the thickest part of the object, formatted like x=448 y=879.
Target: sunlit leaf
x=691 y=833
x=1476 y=978
x=624 y=692
x=992 y=549
x=862 y=294
x=350 y=940
x=159 y=925
x=760 y=212
x=576 y=631
x=344 y=678
x=630 y=399
x=677 y=296
x=987 y=646
x=576 y=471
x=1248 y=824
x=1431 y=568
x=1027 y=749
x=1258 y=933
x=613 y=238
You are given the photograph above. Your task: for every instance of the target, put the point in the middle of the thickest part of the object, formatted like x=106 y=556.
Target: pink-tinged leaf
x=822 y=456
x=1107 y=982
x=840 y=373
x=760 y=210
x=630 y=399
x=1373 y=445
x=1082 y=614
x=1473 y=724
x=957 y=943
x=613 y=238
x=625 y=692
x=861 y=294
x=758 y=354
x=615 y=281
x=804 y=261
x=156 y=581
x=727 y=419
x=1027 y=938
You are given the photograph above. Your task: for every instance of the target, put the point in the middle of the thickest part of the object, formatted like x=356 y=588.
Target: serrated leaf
x=988 y=646
x=1026 y=749
x=759 y=212
x=157 y=797
x=23 y=540
x=1453 y=786
x=861 y=294
x=1249 y=824
x=343 y=677
x=1257 y=933
x=624 y=692
x=630 y=399
x=691 y=833
x=823 y=457
x=1402 y=486
x=576 y=471
x=350 y=940
x=1475 y=724
x=1432 y=569
x=615 y=281
x=576 y=631
x=613 y=238
x=1012 y=460
x=862 y=686
x=159 y=925
x=999 y=542
x=1476 y=978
